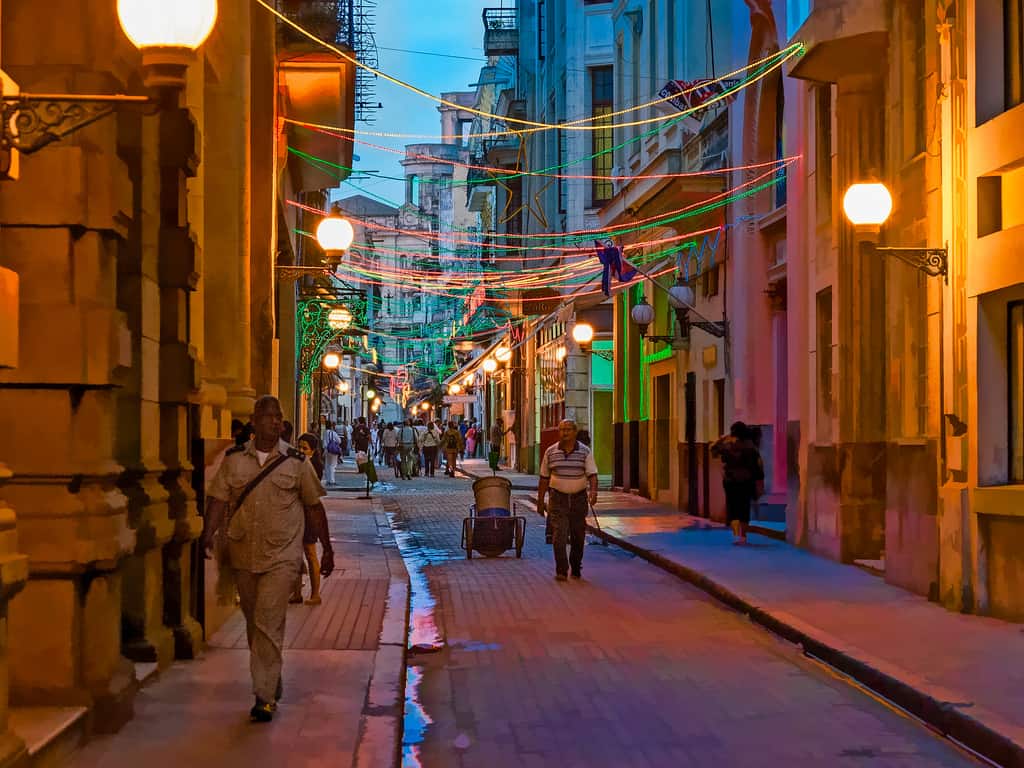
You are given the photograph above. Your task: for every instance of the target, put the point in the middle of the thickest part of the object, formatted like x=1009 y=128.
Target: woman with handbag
x=742 y=477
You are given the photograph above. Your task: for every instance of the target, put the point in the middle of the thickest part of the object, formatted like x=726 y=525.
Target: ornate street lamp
x=371 y=394
x=168 y=33
x=335 y=235
x=454 y=389
x=502 y=354
x=642 y=316
x=867 y=206
x=332 y=360
x=490 y=365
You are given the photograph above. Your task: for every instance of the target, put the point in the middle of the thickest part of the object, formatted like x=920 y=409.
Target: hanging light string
x=658 y=220
x=580 y=124
x=760 y=70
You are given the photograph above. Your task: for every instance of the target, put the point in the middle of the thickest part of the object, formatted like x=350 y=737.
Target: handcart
x=492 y=527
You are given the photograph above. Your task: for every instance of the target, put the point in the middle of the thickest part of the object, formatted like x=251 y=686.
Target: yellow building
x=137 y=318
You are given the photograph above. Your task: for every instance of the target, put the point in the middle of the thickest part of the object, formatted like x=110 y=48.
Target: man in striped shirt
x=568 y=473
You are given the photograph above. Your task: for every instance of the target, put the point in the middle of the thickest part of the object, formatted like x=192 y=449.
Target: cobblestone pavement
x=628 y=668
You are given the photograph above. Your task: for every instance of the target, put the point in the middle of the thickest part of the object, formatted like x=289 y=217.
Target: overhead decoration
x=612 y=263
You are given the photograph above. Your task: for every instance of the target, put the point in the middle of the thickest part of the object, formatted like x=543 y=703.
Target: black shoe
x=577 y=575
x=261 y=712
x=561 y=577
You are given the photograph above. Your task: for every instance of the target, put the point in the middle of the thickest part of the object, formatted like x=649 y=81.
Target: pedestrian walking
x=389 y=443
x=361 y=436
x=430 y=441
x=332 y=453
x=471 y=441
x=451 y=443
x=262 y=496
x=742 y=476
x=343 y=430
x=497 y=439
x=463 y=429
x=407 y=448
x=568 y=476
x=310 y=448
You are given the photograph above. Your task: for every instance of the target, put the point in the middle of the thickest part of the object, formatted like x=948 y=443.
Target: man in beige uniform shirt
x=264 y=539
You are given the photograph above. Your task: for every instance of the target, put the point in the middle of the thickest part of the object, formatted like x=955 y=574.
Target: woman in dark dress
x=742 y=476
x=309 y=444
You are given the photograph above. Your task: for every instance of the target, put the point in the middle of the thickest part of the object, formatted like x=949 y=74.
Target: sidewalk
x=477 y=468
x=343 y=675
x=962 y=674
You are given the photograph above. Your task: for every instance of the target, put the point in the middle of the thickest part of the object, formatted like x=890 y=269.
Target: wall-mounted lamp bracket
x=32 y=121
x=932 y=261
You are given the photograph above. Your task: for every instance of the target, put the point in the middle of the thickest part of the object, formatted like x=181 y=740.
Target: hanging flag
x=611 y=258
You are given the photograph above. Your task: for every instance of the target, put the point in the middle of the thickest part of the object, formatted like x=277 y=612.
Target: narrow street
x=630 y=667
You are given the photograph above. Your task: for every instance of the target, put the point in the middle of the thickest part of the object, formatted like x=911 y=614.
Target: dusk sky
x=451 y=27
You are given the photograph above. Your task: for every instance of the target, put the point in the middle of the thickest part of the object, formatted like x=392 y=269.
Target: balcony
x=501 y=33
x=322 y=18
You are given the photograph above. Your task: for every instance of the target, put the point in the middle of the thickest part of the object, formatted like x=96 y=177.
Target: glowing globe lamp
x=167 y=32
x=583 y=333
x=490 y=365
x=560 y=353
x=643 y=315
x=339 y=319
x=502 y=354
x=332 y=360
x=370 y=394
x=335 y=233
x=454 y=389
x=867 y=204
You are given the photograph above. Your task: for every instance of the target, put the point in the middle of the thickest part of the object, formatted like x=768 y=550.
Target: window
x=540 y=29
x=413 y=193
x=563 y=158
x=823 y=149
x=1013 y=52
x=824 y=359
x=601 y=104
x=652 y=40
x=711 y=281
x=1015 y=404
x=920 y=54
x=670 y=39
x=780 y=140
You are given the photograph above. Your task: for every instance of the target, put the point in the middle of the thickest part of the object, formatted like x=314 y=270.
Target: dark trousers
x=429 y=460
x=569 y=526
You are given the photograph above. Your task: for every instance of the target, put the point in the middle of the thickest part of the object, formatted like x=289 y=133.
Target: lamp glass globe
x=490 y=365
x=681 y=296
x=167 y=23
x=339 y=319
x=502 y=354
x=560 y=353
x=332 y=360
x=583 y=333
x=642 y=313
x=454 y=389
x=867 y=204
x=370 y=394
x=335 y=233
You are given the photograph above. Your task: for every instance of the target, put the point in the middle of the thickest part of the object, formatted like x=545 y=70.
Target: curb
x=381 y=722
x=932 y=708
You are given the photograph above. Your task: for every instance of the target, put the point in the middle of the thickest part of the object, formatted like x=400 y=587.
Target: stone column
x=861 y=320
x=226 y=198
x=13 y=565
x=177 y=158
x=62 y=224
x=144 y=636
x=577 y=381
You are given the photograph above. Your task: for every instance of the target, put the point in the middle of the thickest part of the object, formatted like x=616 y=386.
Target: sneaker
x=561 y=577
x=261 y=712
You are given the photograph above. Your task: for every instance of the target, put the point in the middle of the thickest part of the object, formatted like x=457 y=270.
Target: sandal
x=314 y=601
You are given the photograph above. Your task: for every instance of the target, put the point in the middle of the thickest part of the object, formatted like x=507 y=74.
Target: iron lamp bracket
x=932 y=261
x=33 y=121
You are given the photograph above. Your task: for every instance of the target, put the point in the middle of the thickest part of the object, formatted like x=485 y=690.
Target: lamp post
x=681 y=298
x=867 y=206
x=335 y=235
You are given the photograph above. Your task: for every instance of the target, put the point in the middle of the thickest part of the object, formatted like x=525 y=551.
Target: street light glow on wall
x=167 y=32
x=867 y=204
x=490 y=365
x=339 y=319
x=583 y=333
x=332 y=360
x=560 y=353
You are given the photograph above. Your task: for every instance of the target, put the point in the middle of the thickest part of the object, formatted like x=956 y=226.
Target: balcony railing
x=501 y=32
x=327 y=19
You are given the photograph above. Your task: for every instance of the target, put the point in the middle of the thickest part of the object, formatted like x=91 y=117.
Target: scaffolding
x=348 y=23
